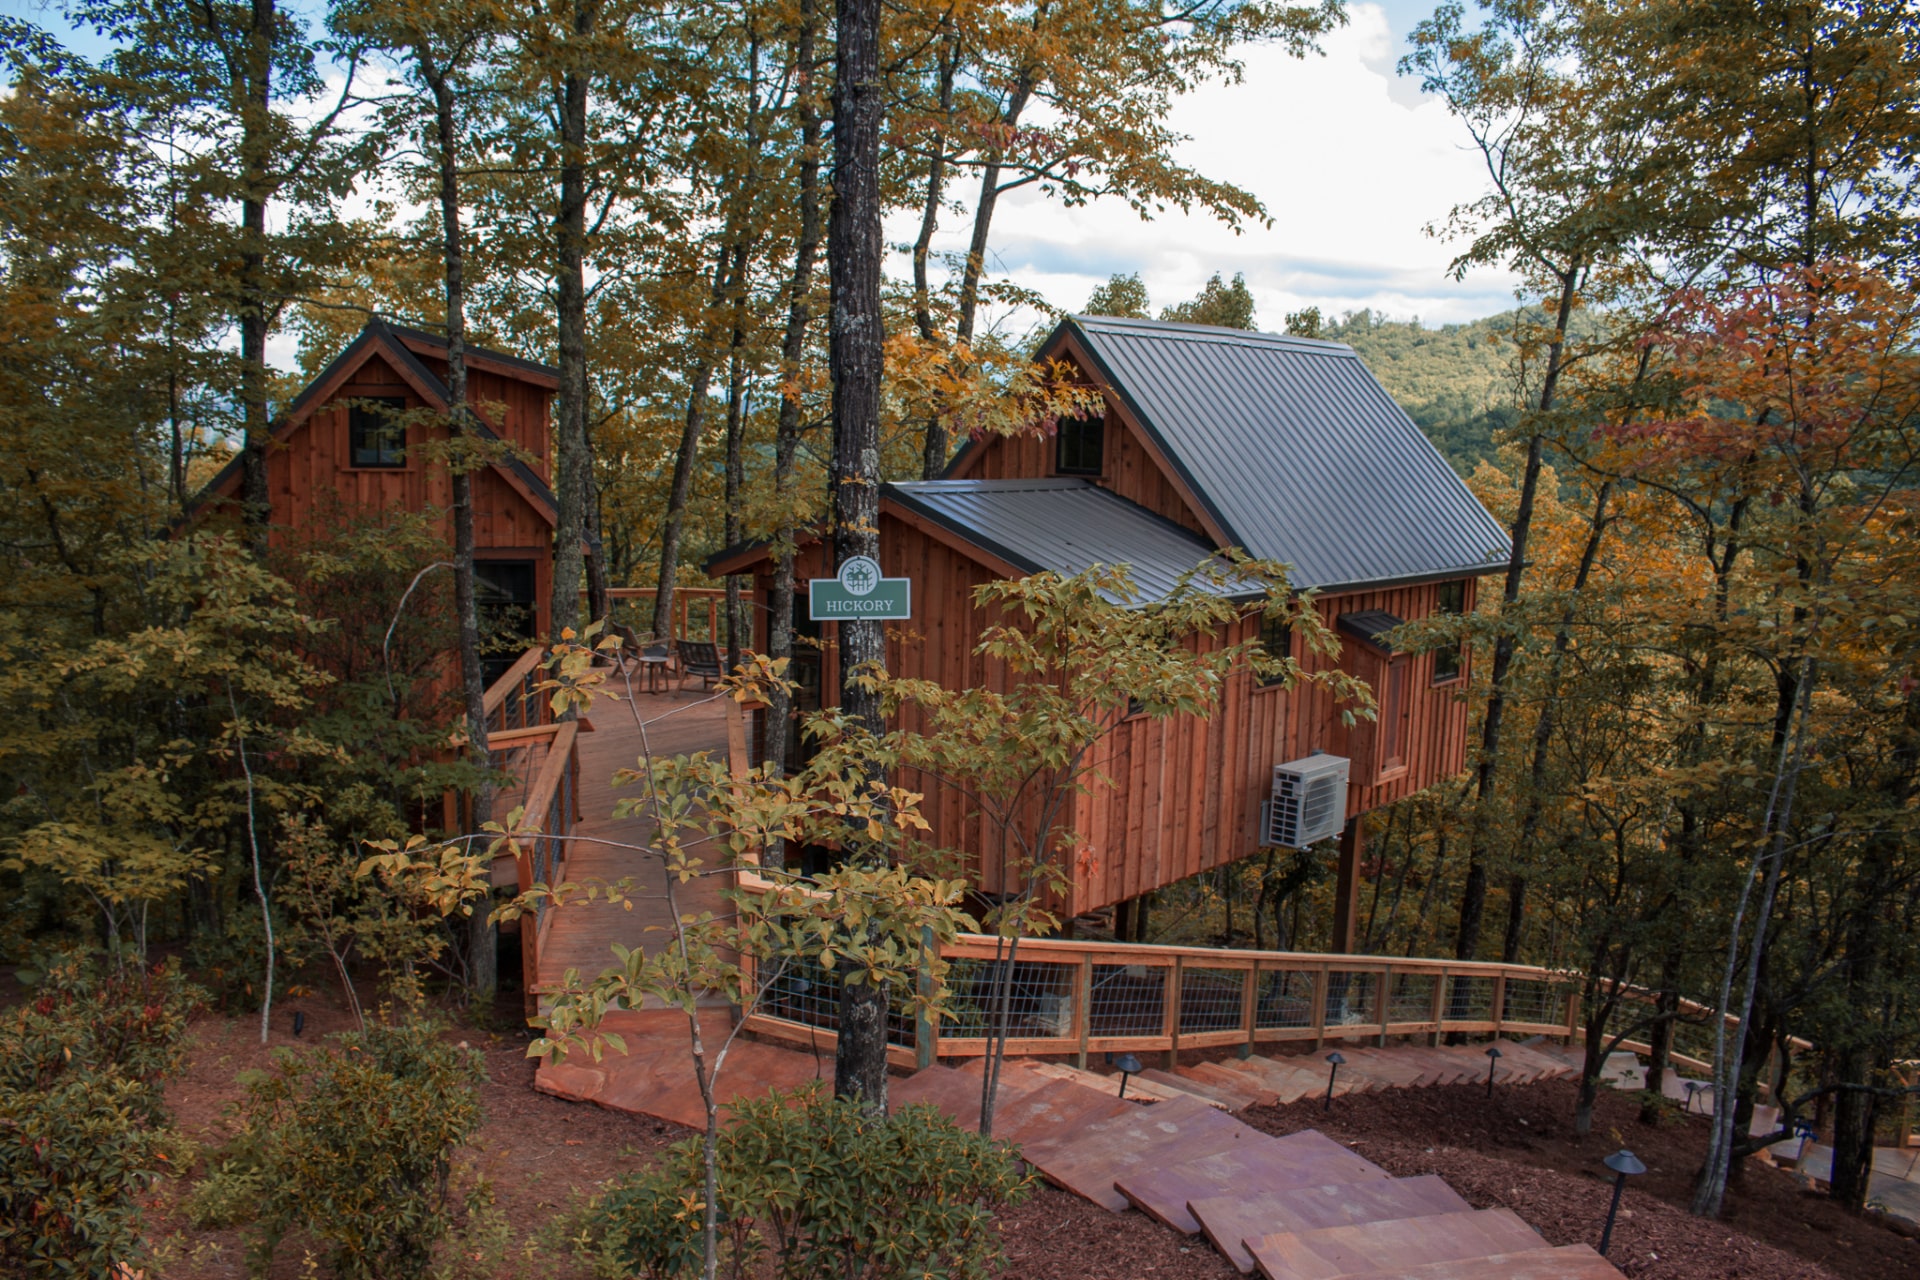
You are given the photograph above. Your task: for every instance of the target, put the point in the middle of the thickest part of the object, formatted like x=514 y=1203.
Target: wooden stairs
x=1299 y=1207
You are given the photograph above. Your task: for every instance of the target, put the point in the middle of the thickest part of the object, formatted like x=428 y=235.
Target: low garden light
x=1128 y=1064
x=1336 y=1059
x=1693 y=1088
x=1493 y=1064
x=1624 y=1165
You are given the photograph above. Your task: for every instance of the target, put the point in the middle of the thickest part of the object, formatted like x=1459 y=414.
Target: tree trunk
x=482 y=936
x=989 y=198
x=856 y=339
x=1473 y=899
x=736 y=474
x=793 y=347
x=934 y=457
x=572 y=479
x=256 y=142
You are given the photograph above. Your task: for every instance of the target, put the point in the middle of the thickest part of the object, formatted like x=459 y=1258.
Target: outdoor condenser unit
x=1309 y=801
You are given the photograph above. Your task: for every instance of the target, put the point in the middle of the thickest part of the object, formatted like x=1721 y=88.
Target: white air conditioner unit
x=1309 y=801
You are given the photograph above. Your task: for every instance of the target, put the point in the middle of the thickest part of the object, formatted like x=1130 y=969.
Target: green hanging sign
x=859 y=592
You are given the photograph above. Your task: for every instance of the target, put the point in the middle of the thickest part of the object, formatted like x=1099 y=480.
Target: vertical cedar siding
x=308 y=467
x=1181 y=795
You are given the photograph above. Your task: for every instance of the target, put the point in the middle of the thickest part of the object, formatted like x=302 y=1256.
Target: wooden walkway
x=604 y=849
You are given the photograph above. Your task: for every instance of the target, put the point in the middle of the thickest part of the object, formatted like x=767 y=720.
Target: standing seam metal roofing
x=1297 y=451
x=1065 y=525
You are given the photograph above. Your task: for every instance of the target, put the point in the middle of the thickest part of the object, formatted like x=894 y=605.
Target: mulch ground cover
x=543 y=1157
x=1518 y=1151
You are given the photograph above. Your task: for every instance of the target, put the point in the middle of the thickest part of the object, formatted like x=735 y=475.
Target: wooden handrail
x=510 y=679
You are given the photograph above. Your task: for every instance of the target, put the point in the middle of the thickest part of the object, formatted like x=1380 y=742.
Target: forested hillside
x=1456 y=381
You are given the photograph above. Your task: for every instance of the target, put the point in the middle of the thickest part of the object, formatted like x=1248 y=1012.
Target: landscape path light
x=1128 y=1064
x=1624 y=1165
x=1493 y=1063
x=1336 y=1059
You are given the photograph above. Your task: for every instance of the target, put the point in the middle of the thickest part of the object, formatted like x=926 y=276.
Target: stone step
x=1230 y=1218
x=1288 y=1082
x=1234 y=1082
x=1225 y=1099
x=1087 y=1160
x=1163 y=1190
x=1391 y=1246
x=1568 y=1262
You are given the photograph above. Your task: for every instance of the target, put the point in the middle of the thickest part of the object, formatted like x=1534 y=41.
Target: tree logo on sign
x=860 y=575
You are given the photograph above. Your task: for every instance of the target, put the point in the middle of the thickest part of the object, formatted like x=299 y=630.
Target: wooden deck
x=604 y=849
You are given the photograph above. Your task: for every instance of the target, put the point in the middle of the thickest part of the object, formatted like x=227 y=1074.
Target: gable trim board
x=379 y=338
x=1290 y=450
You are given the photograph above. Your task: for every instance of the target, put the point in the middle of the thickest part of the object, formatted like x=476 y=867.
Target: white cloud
x=1351 y=164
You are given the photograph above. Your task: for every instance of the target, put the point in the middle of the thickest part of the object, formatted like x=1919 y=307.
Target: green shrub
x=826 y=1190
x=81 y=1069
x=353 y=1146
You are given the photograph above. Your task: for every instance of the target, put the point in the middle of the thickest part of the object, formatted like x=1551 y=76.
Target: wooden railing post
x=1438 y=1013
x=1573 y=1017
x=1386 y=1003
x=1249 y=1009
x=1083 y=1009
x=1499 y=1010
x=1320 y=983
x=1171 y=1012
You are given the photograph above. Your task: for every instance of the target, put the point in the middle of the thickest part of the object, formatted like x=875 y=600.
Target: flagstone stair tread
x=1230 y=1218
x=1568 y=1262
x=1087 y=1160
x=1299 y=1159
x=1391 y=1246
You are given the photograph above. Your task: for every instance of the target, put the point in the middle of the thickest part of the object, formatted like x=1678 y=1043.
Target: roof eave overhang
x=1406 y=579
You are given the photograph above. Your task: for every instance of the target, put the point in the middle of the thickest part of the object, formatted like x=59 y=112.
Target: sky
x=1351 y=160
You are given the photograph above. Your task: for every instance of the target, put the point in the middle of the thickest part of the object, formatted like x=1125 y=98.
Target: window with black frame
x=1080 y=446
x=1276 y=637
x=376 y=436
x=1449 y=664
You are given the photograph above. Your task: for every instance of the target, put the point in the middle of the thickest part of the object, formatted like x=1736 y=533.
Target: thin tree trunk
x=731 y=261
x=1473 y=900
x=736 y=475
x=934 y=458
x=856 y=337
x=989 y=199
x=786 y=444
x=482 y=937
x=256 y=501
x=572 y=481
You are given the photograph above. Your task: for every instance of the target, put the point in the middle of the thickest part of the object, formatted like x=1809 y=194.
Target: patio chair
x=700 y=658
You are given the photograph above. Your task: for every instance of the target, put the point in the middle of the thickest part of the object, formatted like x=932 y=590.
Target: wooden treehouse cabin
x=345 y=443
x=1286 y=448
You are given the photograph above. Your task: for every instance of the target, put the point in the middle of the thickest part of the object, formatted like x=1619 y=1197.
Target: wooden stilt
x=1346 y=897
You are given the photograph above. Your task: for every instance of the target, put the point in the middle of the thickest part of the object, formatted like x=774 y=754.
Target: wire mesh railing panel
x=1128 y=1000
x=802 y=991
x=1210 y=1000
x=1469 y=998
x=1411 y=999
x=1284 y=999
x=1534 y=1001
x=1037 y=997
x=1353 y=999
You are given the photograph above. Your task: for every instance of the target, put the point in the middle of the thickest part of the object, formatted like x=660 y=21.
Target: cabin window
x=1079 y=446
x=375 y=435
x=1450 y=663
x=1393 y=714
x=1276 y=637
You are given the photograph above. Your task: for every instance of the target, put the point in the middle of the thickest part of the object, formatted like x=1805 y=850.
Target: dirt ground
x=543 y=1157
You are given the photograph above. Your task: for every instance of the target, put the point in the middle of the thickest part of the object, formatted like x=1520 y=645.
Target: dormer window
x=376 y=437
x=1079 y=446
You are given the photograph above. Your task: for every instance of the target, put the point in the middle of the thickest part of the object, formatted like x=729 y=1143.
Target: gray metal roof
x=1297 y=452
x=1064 y=524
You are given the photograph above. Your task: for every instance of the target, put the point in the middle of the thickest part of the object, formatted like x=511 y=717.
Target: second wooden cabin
x=1287 y=448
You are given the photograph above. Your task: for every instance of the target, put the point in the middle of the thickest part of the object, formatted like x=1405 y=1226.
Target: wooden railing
x=551 y=808
x=513 y=701
x=1071 y=997
x=711 y=599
